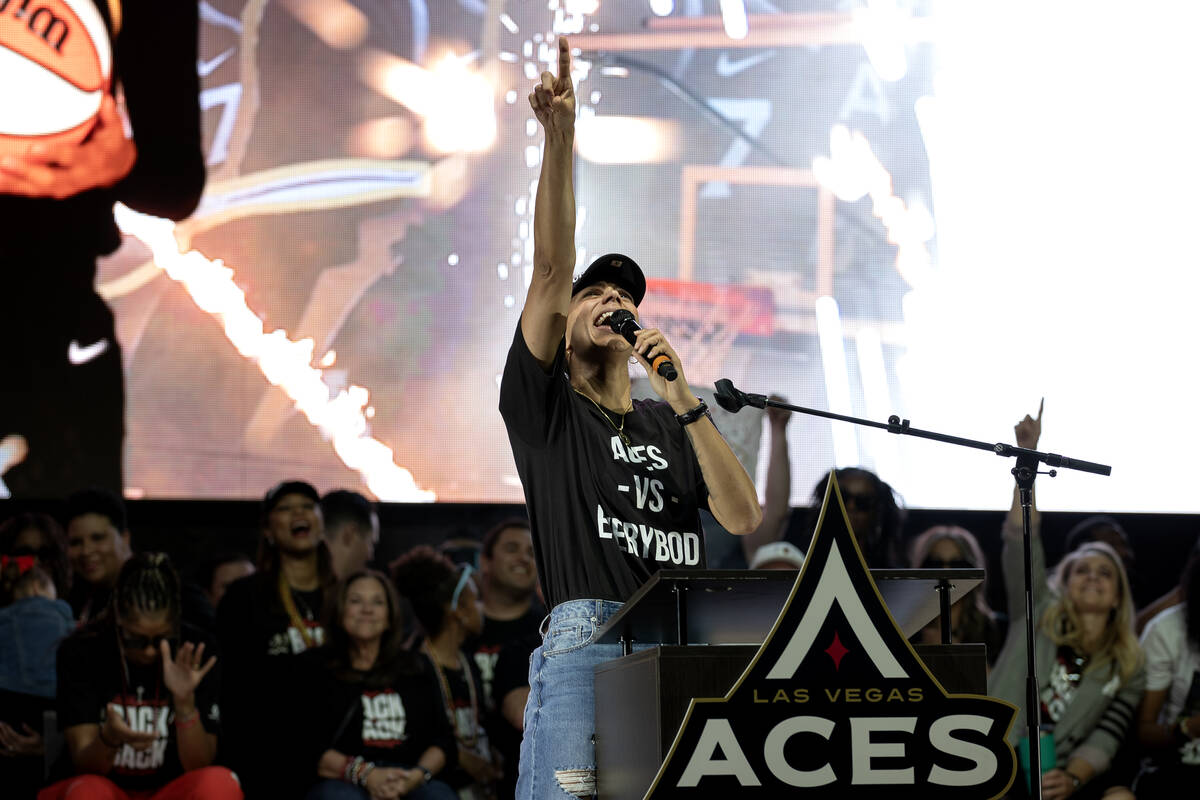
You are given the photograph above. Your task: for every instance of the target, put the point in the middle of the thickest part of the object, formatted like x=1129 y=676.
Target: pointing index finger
x=1041 y=405
x=564 y=57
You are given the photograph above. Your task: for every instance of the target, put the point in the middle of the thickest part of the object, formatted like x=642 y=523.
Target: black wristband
x=691 y=416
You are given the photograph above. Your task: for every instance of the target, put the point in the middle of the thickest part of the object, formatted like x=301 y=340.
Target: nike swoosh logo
x=81 y=355
x=206 y=68
x=727 y=68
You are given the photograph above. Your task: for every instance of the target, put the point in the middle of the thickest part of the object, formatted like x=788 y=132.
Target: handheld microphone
x=623 y=322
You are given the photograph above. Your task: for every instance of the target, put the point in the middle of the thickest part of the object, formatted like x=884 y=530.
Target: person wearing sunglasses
x=971 y=618
x=446 y=602
x=876 y=516
x=381 y=729
x=137 y=697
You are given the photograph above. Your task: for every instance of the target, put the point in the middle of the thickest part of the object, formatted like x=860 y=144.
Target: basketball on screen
x=55 y=66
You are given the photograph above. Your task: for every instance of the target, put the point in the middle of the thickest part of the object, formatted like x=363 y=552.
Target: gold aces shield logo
x=836 y=703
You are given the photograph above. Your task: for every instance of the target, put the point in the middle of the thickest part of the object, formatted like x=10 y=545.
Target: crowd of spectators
x=311 y=671
x=300 y=672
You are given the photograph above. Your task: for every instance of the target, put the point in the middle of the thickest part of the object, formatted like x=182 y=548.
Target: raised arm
x=777 y=508
x=1027 y=431
x=544 y=320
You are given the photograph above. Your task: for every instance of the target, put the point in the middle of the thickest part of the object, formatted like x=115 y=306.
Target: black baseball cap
x=617 y=269
x=281 y=490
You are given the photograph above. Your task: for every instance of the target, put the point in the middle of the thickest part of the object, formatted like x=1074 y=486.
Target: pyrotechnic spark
x=456 y=103
x=285 y=363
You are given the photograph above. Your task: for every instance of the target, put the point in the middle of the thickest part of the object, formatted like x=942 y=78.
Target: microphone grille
x=620 y=318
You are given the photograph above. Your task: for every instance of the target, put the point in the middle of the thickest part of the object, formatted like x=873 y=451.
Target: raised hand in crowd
x=1029 y=430
x=777 y=508
x=183 y=673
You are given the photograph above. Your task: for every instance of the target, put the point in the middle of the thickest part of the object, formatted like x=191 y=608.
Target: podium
x=696 y=632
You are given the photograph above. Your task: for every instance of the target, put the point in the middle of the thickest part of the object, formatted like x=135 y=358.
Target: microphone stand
x=730 y=398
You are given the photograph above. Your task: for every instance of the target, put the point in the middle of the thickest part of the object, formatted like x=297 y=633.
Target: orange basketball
x=55 y=66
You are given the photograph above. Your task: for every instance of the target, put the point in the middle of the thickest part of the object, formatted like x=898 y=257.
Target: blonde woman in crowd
x=1091 y=672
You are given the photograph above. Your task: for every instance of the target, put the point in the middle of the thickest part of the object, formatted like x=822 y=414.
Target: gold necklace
x=620 y=429
x=467 y=741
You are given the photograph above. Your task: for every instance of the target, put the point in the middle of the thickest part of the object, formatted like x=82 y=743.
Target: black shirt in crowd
x=605 y=514
x=505 y=644
x=92 y=672
x=511 y=672
x=464 y=711
x=264 y=703
x=390 y=718
x=485 y=648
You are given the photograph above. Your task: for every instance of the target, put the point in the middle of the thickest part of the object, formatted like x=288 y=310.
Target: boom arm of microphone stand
x=732 y=399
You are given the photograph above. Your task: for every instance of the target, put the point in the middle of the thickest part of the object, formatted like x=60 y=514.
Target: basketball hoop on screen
x=703 y=320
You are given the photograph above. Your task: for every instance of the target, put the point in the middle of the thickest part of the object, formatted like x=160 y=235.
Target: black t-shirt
x=253 y=625
x=390 y=721
x=605 y=515
x=496 y=634
x=511 y=672
x=512 y=667
x=464 y=711
x=91 y=674
x=260 y=687
x=505 y=645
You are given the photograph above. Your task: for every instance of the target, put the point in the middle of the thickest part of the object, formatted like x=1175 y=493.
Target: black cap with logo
x=617 y=269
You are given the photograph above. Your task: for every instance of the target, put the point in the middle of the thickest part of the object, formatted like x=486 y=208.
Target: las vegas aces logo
x=836 y=702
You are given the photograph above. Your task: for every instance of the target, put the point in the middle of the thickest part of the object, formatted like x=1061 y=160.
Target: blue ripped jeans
x=558 y=757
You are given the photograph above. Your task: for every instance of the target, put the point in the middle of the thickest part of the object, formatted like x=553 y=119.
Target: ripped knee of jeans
x=579 y=782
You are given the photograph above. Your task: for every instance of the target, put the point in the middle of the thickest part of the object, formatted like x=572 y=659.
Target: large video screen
x=944 y=211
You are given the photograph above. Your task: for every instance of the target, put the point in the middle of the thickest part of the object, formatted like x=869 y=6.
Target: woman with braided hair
x=446 y=603
x=137 y=697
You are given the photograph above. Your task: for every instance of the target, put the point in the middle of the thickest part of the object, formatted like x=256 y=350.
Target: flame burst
x=284 y=362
